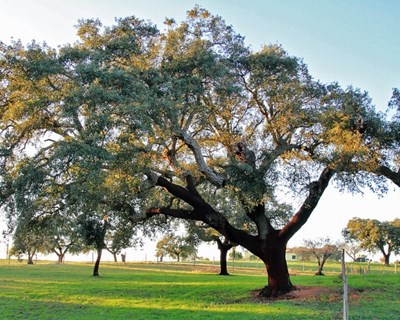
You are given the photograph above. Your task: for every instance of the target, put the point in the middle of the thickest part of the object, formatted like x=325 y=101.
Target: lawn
x=169 y=291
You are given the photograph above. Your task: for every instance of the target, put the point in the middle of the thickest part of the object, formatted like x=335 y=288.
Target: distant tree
x=322 y=249
x=374 y=235
x=93 y=231
x=207 y=234
x=121 y=237
x=175 y=246
x=161 y=248
x=61 y=235
x=237 y=255
x=29 y=238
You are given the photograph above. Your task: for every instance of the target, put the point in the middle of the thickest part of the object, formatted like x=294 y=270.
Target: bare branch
x=213 y=177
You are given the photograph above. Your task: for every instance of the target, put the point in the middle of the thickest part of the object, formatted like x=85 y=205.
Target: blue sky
x=353 y=42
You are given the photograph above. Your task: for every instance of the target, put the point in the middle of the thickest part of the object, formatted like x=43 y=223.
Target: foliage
x=374 y=235
x=29 y=238
x=187 y=123
x=237 y=255
x=176 y=247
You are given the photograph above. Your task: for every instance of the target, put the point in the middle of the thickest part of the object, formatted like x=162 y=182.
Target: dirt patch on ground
x=304 y=293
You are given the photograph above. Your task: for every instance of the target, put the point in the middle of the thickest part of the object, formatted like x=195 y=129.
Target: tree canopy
x=188 y=123
x=374 y=235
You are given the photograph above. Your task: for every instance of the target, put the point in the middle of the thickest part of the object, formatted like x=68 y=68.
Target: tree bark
x=386 y=258
x=30 y=259
x=30 y=256
x=223 y=248
x=274 y=259
x=97 y=263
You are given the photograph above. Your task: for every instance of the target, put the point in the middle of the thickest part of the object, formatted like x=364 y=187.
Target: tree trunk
x=321 y=264
x=319 y=271
x=115 y=257
x=223 y=248
x=97 y=263
x=60 y=256
x=278 y=274
x=386 y=259
x=30 y=256
x=30 y=259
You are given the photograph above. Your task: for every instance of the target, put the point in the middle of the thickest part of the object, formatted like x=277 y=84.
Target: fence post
x=345 y=290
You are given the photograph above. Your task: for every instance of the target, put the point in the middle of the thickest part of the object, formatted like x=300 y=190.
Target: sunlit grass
x=151 y=291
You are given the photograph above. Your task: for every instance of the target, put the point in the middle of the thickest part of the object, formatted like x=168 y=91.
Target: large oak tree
x=181 y=123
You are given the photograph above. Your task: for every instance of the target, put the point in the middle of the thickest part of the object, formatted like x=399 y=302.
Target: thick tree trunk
x=278 y=274
x=223 y=261
x=115 y=257
x=97 y=263
x=223 y=248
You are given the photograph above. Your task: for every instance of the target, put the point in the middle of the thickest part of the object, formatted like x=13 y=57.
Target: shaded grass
x=151 y=291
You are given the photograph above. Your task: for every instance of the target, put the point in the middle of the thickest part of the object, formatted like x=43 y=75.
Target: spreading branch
x=316 y=189
x=212 y=176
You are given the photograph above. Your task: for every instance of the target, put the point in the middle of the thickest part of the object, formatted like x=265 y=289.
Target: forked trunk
x=30 y=259
x=223 y=247
x=60 y=258
x=320 y=268
x=278 y=274
x=30 y=256
x=386 y=259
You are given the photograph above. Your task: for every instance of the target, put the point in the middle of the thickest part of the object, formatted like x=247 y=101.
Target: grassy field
x=171 y=291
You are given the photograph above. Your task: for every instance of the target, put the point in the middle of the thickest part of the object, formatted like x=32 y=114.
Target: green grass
x=169 y=291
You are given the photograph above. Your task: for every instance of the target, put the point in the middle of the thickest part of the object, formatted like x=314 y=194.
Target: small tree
x=93 y=233
x=322 y=249
x=207 y=234
x=175 y=246
x=119 y=237
x=237 y=255
x=30 y=237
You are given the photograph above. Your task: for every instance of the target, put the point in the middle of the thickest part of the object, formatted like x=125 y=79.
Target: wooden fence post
x=345 y=290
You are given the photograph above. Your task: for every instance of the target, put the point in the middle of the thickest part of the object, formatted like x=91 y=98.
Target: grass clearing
x=169 y=291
